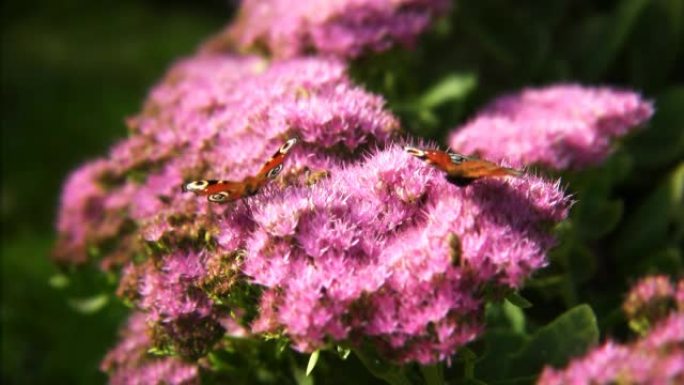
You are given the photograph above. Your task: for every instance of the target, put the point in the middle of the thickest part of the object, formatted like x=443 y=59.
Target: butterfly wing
x=461 y=170
x=442 y=160
x=221 y=191
x=478 y=168
x=199 y=186
x=216 y=190
x=274 y=165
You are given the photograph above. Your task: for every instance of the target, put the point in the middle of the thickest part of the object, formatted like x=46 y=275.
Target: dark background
x=72 y=70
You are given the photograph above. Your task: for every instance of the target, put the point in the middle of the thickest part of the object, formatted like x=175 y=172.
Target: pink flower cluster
x=172 y=298
x=342 y=247
x=383 y=249
x=212 y=117
x=658 y=358
x=343 y=28
x=130 y=363
x=563 y=126
x=388 y=249
x=651 y=299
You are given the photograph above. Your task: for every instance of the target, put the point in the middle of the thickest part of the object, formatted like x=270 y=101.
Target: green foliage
x=313 y=359
x=71 y=73
x=391 y=374
x=44 y=340
x=656 y=225
x=515 y=356
x=663 y=142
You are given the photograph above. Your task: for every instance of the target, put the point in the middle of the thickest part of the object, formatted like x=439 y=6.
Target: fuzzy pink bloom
x=171 y=295
x=167 y=371
x=679 y=294
x=562 y=126
x=387 y=248
x=345 y=249
x=81 y=202
x=649 y=300
x=656 y=359
x=165 y=291
x=130 y=364
x=212 y=117
x=345 y=28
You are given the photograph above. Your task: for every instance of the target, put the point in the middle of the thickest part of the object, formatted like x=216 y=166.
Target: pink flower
x=563 y=126
x=679 y=295
x=344 y=248
x=160 y=371
x=217 y=117
x=165 y=293
x=171 y=293
x=345 y=28
x=212 y=117
x=657 y=358
x=82 y=202
x=649 y=300
x=387 y=248
x=129 y=363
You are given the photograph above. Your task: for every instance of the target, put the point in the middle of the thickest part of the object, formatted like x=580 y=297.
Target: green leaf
x=505 y=316
x=89 y=305
x=313 y=359
x=381 y=369
x=614 y=35
x=518 y=300
x=662 y=18
x=663 y=141
x=515 y=316
x=492 y=366
x=432 y=374
x=59 y=281
x=300 y=377
x=595 y=214
x=569 y=335
x=649 y=226
x=219 y=361
x=597 y=217
x=580 y=263
x=452 y=87
x=664 y=260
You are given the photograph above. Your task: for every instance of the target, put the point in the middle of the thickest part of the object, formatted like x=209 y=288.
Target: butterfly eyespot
x=197 y=185
x=415 y=152
x=219 y=197
x=272 y=173
x=285 y=148
x=457 y=158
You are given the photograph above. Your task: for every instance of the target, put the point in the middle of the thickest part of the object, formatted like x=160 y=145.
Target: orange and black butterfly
x=221 y=191
x=461 y=170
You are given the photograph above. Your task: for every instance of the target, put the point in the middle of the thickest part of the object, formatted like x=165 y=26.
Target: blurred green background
x=72 y=71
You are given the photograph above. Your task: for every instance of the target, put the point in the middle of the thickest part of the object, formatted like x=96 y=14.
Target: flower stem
x=469 y=358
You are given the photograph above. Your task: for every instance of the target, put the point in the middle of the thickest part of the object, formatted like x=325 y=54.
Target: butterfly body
x=461 y=170
x=221 y=191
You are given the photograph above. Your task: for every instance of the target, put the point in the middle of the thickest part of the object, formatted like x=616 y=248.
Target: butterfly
x=221 y=191
x=461 y=170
